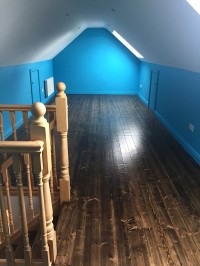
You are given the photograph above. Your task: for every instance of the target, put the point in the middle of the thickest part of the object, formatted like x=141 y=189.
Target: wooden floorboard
x=135 y=191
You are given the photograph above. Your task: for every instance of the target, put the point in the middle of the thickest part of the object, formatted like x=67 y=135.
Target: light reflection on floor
x=127 y=145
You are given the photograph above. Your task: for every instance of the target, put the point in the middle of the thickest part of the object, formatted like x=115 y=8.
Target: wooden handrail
x=21 y=146
x=23 y=108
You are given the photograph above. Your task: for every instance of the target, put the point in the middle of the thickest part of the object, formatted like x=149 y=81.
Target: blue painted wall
x=177 y=104
x=15 y=86
x=97 y=63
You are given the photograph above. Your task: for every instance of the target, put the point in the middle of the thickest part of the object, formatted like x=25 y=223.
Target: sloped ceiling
x=164 y=32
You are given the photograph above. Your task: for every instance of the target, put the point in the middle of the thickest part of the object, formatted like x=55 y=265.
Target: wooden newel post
x=39 y=130
x=62 y=128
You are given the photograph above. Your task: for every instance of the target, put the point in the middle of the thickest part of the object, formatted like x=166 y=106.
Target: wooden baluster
x=53 y=145
x=53 y=182
x=37 y=169
x=62 y=128
x=2 y=133
x=51 y=118
x=28 y=174
x=1 y=126
x=8 y=250
x=51 y=186
x=26 y=126
x=1 y=230
x=25 y=121
x=18 y=174
x=13 y=123
x=54 y=168
x=40 y=131
x=8 y=197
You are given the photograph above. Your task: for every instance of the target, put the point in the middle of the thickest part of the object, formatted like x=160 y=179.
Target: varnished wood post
x=25 y=120
x=39 y=130
x=37 y=169
x=28 y=174
x=9 y=205
x=13 y=123
x=1 y=126
x=1 y=230
x=54 y=169
x=8 y=250
x=18 y=174
x=62 y=128
x=2 y=133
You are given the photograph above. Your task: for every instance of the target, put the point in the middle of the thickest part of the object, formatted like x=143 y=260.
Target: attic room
x=123 y=181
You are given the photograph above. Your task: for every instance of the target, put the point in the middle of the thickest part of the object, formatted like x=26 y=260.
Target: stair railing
x=23 y=162
x=18 y=149
x=57 y=116
x=39 y=131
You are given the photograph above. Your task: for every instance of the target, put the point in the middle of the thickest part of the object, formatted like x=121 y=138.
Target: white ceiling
x=165 y=32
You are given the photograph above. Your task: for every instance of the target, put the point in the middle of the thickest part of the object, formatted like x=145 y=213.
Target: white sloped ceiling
x=164 y=32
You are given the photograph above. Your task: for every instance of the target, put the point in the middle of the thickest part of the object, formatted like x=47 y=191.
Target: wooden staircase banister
x=58 y=121
x=21 y=146
x=23 y=107
x=40 y=140
x=39 y=148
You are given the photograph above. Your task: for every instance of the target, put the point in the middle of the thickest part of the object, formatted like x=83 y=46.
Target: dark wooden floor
x=135 y=192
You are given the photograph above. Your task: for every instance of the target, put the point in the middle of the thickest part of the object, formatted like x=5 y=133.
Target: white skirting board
x=49 y=86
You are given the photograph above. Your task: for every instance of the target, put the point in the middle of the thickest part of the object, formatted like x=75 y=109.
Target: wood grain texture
x=135 y=191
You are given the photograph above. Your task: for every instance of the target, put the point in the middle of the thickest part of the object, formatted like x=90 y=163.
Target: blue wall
x=15 y=86
x=97 y=63
x=177 y=103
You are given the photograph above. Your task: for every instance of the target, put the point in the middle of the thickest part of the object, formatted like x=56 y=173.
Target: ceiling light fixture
x=122 y=40
x=195 y=4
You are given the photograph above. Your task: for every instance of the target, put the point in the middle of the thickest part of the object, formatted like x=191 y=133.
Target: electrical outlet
x=191 y=127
